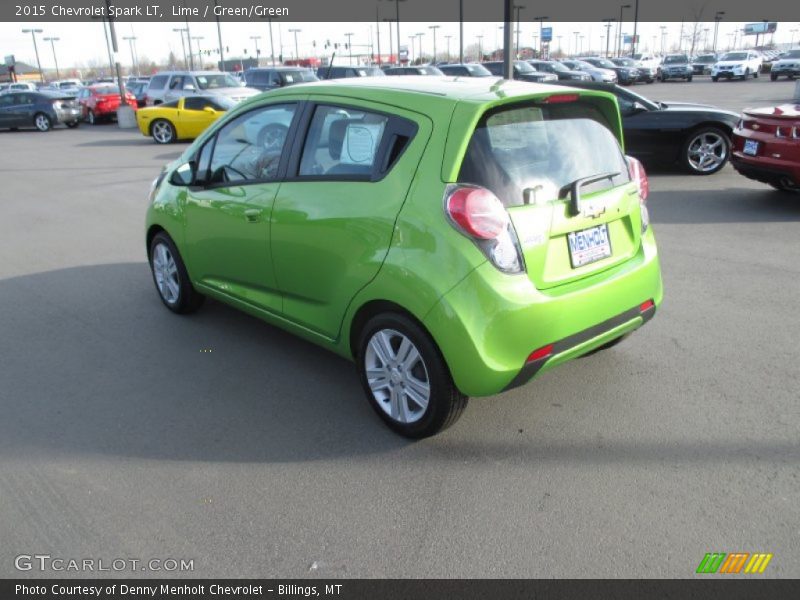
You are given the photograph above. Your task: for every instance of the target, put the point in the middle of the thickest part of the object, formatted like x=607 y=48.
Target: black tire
x=163 y=132
x=684 y=156
x=755 y=74
x=782 y=187
x=689 y=78
x=188 y=300
x=715 y=78
x=746 y=73
x=73 y=124
x=42 y=122
x=661 y=78
x=773 y=77
x=90 y=118
x=445 y=403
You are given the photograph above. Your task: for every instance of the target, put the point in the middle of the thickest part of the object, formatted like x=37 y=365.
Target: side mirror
x=208 y=109
x=638 y=107
x=184 y=175
x=189 y=88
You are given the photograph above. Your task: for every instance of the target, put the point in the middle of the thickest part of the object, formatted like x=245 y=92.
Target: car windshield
x=708 y=58
x=625 y=62
x=478 y=70
x=523 y=67
x=370 y=72
x=298 y=76
x=104 y=90
x=676 y=58
x=792 y=54
x=544 y=148
x=211 y=82
x=223 y=102
x=602 y=62
x=735 y=56
x=557 y=66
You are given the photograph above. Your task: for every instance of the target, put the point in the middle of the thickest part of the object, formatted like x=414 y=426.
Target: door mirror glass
x=189 y=88
x=184 y=174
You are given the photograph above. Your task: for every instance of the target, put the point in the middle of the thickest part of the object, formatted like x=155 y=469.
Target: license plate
x=589 y=245
x=751 y=147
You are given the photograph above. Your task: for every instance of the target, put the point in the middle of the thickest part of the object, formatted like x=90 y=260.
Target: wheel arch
x=371 y=309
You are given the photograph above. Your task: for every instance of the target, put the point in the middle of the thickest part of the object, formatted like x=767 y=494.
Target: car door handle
x=251 y=215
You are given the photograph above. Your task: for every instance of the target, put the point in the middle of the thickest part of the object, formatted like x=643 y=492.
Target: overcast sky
x=84 y=42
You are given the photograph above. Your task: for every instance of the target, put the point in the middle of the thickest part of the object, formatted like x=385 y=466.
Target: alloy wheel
x=166 y=274
x=162 y=132
x=42 y=122
x=707 y=151
x=397 y=376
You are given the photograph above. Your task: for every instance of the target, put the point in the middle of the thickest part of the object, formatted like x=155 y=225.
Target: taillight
x=478 y=213
x=639 y=176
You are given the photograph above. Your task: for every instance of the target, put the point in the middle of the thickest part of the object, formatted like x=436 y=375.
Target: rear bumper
x=786 y=72
x=487 y=326
x=771 y=172
x=69 y=115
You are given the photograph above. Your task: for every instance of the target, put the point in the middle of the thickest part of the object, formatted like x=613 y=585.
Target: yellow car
x=182 y=119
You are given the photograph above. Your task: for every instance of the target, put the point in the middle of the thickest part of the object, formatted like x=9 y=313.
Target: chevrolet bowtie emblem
x=593 y=211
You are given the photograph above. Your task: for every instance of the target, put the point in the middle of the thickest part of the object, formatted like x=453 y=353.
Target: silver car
x=596 y=73
x=171 y=85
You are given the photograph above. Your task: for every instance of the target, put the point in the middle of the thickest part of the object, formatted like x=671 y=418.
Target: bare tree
x=696 y=29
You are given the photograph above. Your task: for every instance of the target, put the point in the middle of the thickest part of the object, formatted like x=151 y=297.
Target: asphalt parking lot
x=129 y=432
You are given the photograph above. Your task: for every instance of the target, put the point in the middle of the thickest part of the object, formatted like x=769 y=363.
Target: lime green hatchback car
x=452 y=237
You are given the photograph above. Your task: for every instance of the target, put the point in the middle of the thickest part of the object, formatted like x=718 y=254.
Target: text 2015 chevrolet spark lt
x=452 y=237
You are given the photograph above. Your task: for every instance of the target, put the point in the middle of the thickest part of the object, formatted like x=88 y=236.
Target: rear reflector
x=645 y=306
x=559 y=98
x=541 y=353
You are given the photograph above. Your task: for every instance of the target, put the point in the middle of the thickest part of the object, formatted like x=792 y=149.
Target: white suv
x=741 y=63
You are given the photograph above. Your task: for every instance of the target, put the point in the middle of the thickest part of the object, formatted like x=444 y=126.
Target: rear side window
x=544 y=148
x=157 y=82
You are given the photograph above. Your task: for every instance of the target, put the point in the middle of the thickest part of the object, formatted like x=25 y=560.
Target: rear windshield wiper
x=574 y=189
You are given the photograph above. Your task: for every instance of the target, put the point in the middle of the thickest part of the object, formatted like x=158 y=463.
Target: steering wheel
x=272 y=136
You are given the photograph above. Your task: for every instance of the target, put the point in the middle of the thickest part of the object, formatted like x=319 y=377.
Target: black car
x=338 y=72
x=646 y=74
x=559 y=70
x=465 y=70
x=41 y=110
x=522 y=72
x=418 y=70
x=270 y=78
x=695 y=135
x=625 y=75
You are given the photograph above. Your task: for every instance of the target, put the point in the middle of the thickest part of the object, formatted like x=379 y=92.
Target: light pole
x=413 y=51
x=33 y=33
x=183 y=45
x=391 y=42
x=517 y=8
x=541 y=38
x=480 y=47
x=447 y=37
x=461 y=31
x=419 y=36
x=349 y=45
x=296 y=48
x=635 y=25
x=52 y=41
x=271 y=45
x=197 y=39
x=219 y=39
x=577 y=33
x=558 y=37
x=663 y=37
x=792 y=31
x=622 y=7
x=717 y=18
x=434 y=28
x=608 y=23
x=130 y=39
x=255 y=39
x=582 y=44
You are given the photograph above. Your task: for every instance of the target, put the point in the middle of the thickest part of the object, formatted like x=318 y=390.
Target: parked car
x=100 y=102
x=742 y=64
x=703 y=63
x=596 y=73
x=465 y=70
x=139 y=91
x=414 y=70
x=171 y=85
x=522 y=72
x=21 y=86
x=625 y=75
x=675 y=66
x=182 y=119
x=695 y=136
x=534 y=273
x=342 y=72
x=562 y=72
x=41 y=110
x=788 y=65
x=269 y=78
x=766 y=146
x=644 y=74
x=645 y=59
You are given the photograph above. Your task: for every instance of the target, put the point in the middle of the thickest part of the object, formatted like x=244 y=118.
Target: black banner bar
x=33 y=11
x=703 y=587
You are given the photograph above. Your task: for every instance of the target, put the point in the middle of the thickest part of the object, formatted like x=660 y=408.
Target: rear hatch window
x=530 y=156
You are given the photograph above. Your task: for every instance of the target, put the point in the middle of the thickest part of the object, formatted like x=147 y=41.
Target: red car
x=100 y=102
x=766 y=146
